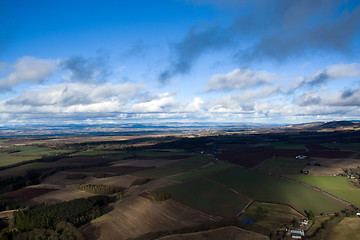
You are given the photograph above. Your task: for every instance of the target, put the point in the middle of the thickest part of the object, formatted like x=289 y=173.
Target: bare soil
x=30 y=192
x=230 y=232
x=122 y=181
x=136 y=215
x=154 y=184
x=109 y=169
x=143 y=163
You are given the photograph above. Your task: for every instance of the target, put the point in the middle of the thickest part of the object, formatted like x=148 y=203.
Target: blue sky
x=179 y=61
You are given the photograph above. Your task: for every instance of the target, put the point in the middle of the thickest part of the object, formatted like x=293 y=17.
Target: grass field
x=338 y=186
x=16 y=154
x=264 y=187
x=207 y=196
x=174 y=168
x=346 y=229
x=282 y=166
x=203 y=171
x=270 y=215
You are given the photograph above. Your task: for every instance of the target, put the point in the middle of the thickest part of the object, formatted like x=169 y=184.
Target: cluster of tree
x=140 y=181
x=159 y=196
x=31 y=177
x=63 y=231
x=9 y=203
x=101 y=189
x=78 y=212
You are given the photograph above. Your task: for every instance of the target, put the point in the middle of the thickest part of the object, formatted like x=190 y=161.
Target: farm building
x=301 y=157
x=297 y=233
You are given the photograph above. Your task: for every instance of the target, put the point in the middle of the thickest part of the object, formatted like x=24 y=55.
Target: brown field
x=253 y=156
x=62 y=195
x=109 y=169
x=30 y=192
x=122 y=181
x=143 y=163
x=67 y=189
x=136 y=215
x=230 y=232
x=154 y=184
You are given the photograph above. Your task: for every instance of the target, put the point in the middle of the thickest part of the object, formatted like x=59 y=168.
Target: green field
x=270 y=215
x=346 y=229
x=209 y=197
x=16 y=154
x=264 y=187
x=202 y=171
x=282 y=166
x=174 y=168
x=338 y=186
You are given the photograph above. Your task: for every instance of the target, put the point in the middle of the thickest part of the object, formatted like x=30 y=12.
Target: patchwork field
x=15 y=154
x=264 y=187
x=346 y=229
x=30 y=192
x=213 y=167
x=250 y=157
x=231 y=232
x=175 y=168
x=136 y=215
x=338 y=186
x=282 y=166
x=209 y=197
x=270 y=215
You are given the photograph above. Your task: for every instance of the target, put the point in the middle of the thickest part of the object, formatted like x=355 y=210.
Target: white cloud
x=77 y=97
x=28 y=69
x=240 y=78
x=160 y=103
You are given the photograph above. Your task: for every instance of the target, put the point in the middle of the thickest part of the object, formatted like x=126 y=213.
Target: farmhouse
x=304 y=222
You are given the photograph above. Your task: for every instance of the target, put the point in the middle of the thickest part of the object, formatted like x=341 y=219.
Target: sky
x=160 y=61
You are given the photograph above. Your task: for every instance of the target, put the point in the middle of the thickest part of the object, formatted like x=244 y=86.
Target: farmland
x=346 y=229
x=338 y=186
x=270 y=215
x=215 y=185
x=264 y=187
x=16 y=154
x=282 y=166
x=208 y=197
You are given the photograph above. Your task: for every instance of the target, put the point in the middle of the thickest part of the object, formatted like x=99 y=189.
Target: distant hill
x=337 y=124
x=323 y=125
